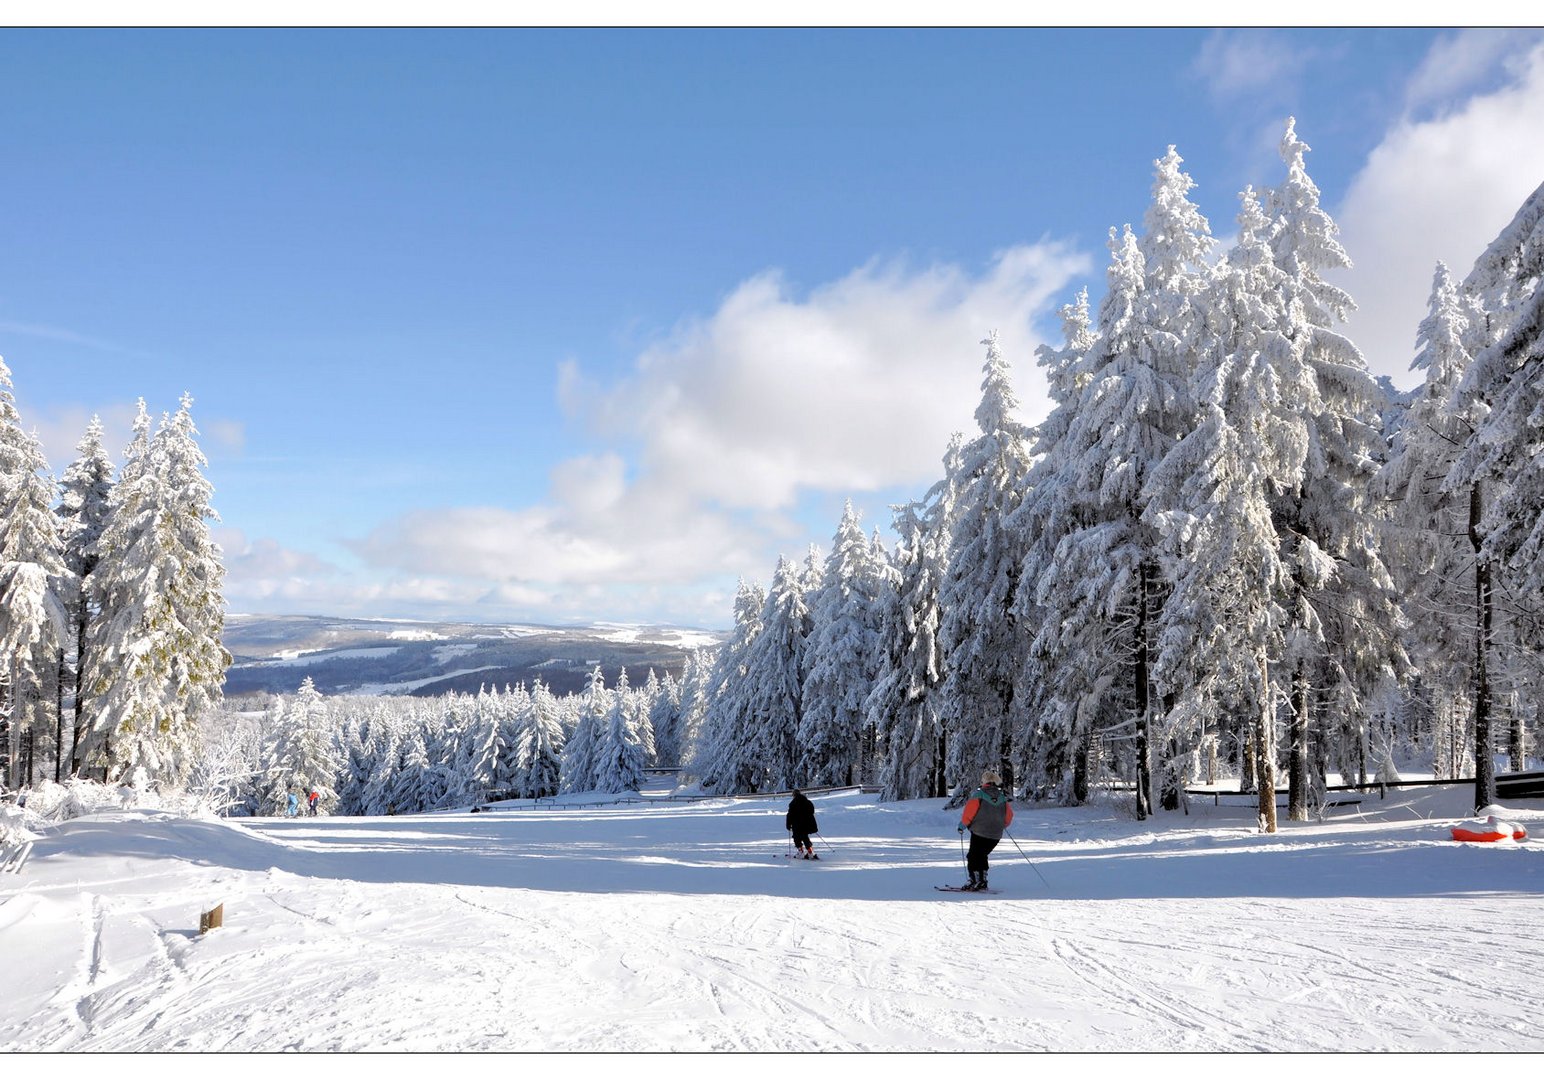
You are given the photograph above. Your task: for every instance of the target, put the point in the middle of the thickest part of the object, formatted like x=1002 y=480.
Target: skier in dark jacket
x=801 y=822
x=987 y=815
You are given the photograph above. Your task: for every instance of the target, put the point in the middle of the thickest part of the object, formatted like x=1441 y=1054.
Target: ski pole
x=1031 y=862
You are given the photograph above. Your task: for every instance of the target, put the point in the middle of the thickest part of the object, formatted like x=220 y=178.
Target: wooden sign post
x=211 y=919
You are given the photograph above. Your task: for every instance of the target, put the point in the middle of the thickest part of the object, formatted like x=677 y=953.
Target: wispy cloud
x=1250 y=63
x=1466 y=62
x=68 y=337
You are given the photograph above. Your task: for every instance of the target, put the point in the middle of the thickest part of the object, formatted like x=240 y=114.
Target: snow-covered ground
x=652 y=927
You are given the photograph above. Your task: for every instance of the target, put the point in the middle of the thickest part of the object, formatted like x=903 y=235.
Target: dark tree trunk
x=28 y=742
x=1248 y=774
x=1517 y=739
x=1265 y=752
x=1297 y=759
x=1173 y=788
x=1484 y=764
x=1080 y=752
x=59 y=720
x=80 y=668
x=1144 y=766
x=1005 y=746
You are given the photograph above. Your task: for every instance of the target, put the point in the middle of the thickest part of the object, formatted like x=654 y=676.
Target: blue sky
x=580 y=325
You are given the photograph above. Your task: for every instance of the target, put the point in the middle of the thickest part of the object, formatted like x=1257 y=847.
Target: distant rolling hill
x=273 y=653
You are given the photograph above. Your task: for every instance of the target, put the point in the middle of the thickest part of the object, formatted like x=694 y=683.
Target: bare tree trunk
x=13 y=730
x=59 y=720
x=1247 y=773
x=1144 y=763
x=1081 y=747
x=1265 y=751
x=80 y=668
x=1517 y=737
x=1484 y=762
x=1297 y=759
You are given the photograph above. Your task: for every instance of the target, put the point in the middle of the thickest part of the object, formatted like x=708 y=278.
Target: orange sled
x=1476 y=832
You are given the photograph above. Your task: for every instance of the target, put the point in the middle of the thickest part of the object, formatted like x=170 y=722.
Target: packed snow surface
x=652 y=926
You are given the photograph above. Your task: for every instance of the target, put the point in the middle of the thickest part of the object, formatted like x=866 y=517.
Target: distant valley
x=273 y=653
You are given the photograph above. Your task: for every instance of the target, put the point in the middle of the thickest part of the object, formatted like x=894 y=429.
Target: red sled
x=1489 y=832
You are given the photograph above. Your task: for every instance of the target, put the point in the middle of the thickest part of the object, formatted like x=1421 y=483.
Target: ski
x=962 y=889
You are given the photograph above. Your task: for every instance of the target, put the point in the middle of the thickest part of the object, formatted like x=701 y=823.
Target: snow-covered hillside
x=651 y=926
x=273 y=653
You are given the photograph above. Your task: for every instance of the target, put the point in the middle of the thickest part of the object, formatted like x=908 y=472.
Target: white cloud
x=227 y=434
x=254 y=562
x=853 y=387
x=1439 y=188
x=1250 y=62
x=1465 y=61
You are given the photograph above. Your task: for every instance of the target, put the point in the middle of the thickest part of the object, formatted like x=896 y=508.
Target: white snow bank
x=659 y=926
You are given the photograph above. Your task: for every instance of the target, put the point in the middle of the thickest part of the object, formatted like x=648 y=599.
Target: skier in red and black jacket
x=801 y=822
x=987 y=815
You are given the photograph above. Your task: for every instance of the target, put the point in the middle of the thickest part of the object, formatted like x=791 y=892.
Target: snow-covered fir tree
x=383 y=751
x=980 y=637
x=665 y=720
x=1500 y=462
x=1428 y=531
x=84 y=492
x=1342 y=639
x=772 y=688
x=1068 y=687
x=359 y=763
x=1093 y=568
x=33 y=580
x=154 y=659
x=410 y=782
x=692 y=706
x=579 y=754
x=538 y=746
x=300 y=753
x=620 y=755
x=721 y=754
x=1226 y=611
x=903 y=706
x=841 y=660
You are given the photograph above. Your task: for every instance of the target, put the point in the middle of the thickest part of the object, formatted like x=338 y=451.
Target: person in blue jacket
x=294 y=804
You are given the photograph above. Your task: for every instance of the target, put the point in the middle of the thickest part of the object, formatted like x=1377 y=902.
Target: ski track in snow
x=629 y=929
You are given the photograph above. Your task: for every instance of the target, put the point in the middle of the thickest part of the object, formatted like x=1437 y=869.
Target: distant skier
x=294 y=804
x=987 y=815
x=801 y=822
x=311 y=801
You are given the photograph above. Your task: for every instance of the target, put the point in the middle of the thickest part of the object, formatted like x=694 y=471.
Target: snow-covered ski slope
x=681 y=927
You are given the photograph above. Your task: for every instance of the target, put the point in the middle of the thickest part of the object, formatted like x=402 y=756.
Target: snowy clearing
x=657 y=926
x=301 y=658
